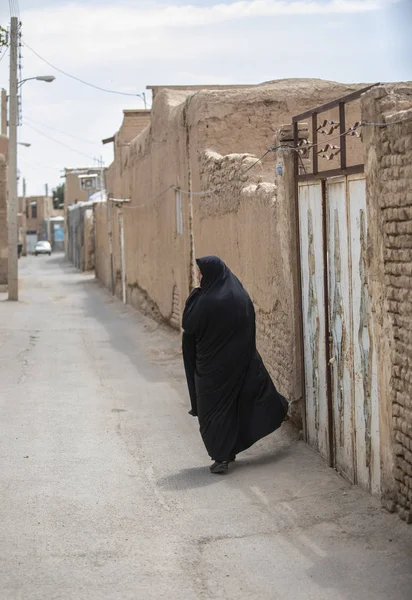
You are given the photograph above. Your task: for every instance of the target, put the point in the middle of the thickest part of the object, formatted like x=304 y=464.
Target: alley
x=105 y=491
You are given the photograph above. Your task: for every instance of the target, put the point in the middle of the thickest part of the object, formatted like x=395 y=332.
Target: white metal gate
x=31 y=241
x=342 y=419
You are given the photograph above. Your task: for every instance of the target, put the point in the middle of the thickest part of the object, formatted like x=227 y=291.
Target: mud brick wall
x=251 y=225
x=197 y=140
x=389 y=151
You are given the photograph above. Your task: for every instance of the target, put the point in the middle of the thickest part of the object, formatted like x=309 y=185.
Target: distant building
x=80 y=184
x=36 y=210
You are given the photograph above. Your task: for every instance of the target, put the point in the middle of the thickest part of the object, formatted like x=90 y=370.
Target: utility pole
x=13 y=281
x=24 y=218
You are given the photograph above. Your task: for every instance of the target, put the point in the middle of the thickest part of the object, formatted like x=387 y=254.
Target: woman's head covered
x=212 y=269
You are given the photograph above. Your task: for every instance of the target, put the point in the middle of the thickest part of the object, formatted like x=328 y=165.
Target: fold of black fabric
x=230 y=389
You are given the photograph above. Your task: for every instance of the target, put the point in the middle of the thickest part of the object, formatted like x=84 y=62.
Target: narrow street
x=105 y=488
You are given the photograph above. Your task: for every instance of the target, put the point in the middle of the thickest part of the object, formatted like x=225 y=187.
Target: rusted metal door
x=340 y=365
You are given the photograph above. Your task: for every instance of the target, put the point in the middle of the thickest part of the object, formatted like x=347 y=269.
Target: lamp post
x=12 y=278
x=46 y=78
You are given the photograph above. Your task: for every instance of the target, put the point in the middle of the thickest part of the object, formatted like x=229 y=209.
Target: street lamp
x=12 y=277
x=25 y=144
x=46 y=78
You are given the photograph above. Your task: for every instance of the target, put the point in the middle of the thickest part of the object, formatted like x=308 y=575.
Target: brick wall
x=389 y=180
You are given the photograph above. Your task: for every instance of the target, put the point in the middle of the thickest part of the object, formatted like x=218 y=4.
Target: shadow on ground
x=198 y=477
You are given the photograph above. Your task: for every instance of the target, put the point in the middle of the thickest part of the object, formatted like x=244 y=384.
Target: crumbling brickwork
x=389 y=171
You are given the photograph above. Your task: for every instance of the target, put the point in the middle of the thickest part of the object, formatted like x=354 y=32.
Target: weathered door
x=365 y=379
x=313 y=307
x=340 y=331
x=342 y=404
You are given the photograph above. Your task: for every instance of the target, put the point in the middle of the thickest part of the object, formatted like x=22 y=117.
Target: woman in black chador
x=230 y=389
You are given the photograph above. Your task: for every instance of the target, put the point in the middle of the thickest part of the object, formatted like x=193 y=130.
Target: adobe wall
x=134 y=122
x=251 y=224
x=157 y=258
x=389 y=194
x=195 y=142
x=4 y=147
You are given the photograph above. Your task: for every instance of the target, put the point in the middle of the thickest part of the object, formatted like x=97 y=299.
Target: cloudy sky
x=128 y=44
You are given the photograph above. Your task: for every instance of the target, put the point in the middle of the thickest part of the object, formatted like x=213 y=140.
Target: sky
x=128 y=44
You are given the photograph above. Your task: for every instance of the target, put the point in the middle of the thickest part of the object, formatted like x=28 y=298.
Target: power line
x=38 y=164
x=92 y=85
x=59 y=142
x=152 y=199
x=14 y=8
x=62 y=132
x=4 y=54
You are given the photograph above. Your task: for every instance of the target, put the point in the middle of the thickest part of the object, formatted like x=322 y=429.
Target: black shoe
x=219 y=467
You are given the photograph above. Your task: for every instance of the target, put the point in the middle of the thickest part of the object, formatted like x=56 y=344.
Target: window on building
x=179 y=213
x=34 y=211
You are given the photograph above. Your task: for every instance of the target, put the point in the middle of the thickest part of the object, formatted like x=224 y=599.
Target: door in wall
x=342 y=418
x=31 y=241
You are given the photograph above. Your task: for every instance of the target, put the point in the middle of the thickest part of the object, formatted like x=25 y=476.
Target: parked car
x=43 y=248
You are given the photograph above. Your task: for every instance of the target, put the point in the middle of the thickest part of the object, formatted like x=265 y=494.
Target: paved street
x=105 y=491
